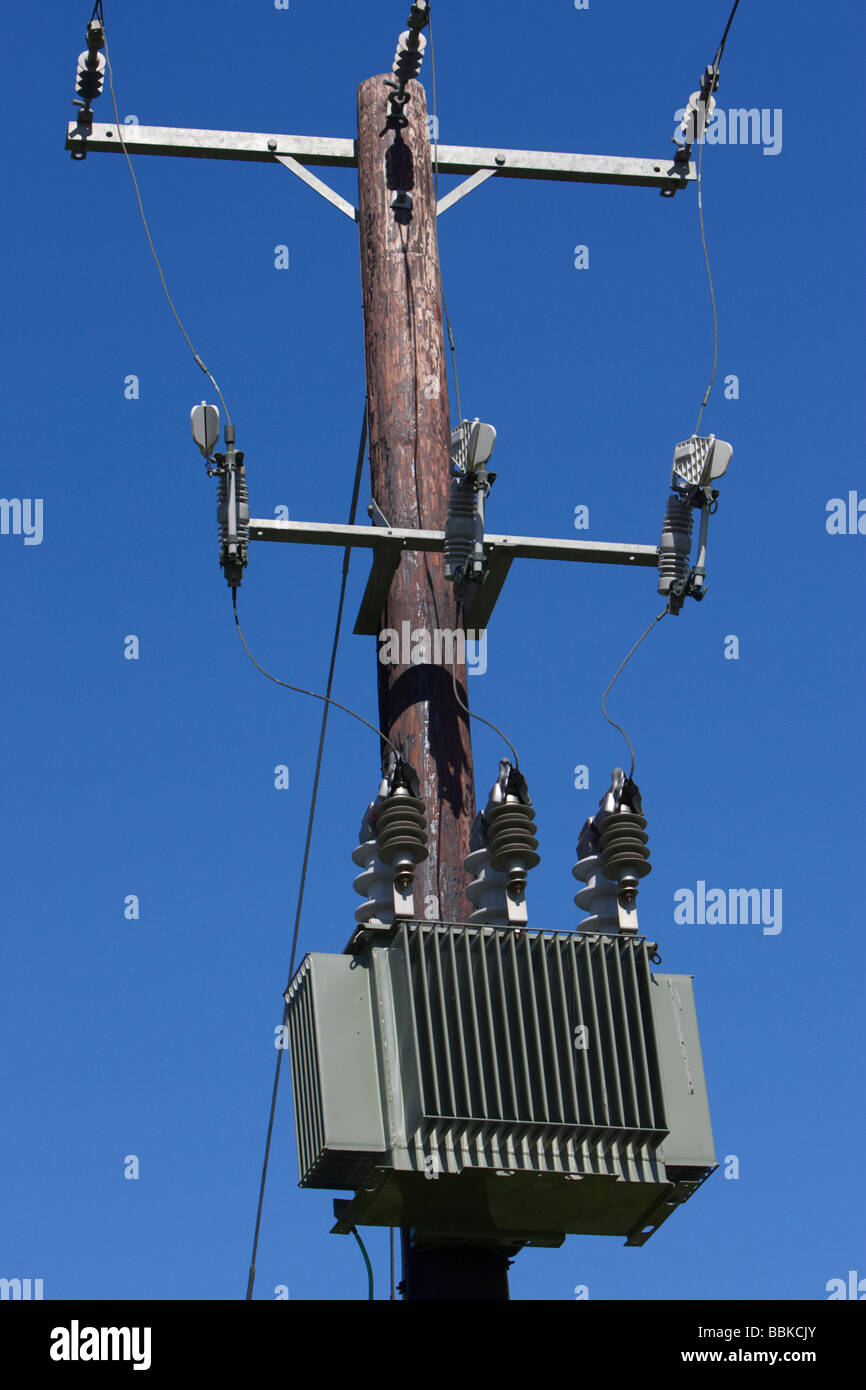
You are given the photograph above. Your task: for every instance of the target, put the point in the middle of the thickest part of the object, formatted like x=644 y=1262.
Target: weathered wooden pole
x=410 y=435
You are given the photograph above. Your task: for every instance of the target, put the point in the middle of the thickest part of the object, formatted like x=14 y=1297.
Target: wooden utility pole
x=410 y=437
x=410 y=440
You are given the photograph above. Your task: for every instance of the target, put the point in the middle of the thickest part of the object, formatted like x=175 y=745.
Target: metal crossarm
x=312 y=149
x=499 y=551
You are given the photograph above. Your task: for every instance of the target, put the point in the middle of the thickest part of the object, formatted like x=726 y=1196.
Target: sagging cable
x=465 y=707
x=313 y=694
x=698 y=113
x=615 y=676
x=97 y=40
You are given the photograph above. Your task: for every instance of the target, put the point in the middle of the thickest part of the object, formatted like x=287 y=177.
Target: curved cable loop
x=619 y=668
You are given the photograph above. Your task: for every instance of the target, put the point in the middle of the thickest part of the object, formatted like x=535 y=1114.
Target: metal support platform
x=388 y=544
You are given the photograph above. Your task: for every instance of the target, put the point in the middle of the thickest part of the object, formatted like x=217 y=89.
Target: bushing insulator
x=401 y=826
x=90 y=76
x=375 y=883
x=243 y=506
x=624 y=847
x=511 y=840
x=676 y=543
x=407 y=61
x=597 y=898
x=461 y=528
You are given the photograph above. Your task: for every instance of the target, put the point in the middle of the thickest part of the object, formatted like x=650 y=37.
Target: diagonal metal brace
x=318 y=185
x=480 y=176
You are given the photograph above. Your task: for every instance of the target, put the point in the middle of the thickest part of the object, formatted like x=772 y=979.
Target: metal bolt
x=500 y=159
x=272 y=144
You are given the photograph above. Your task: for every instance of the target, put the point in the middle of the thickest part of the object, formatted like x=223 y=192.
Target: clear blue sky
x=155 y=777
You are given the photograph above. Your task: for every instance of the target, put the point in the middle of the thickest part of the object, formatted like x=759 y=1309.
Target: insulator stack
x=409 y=55
x=402 y=832
x=464 y=534
x=676 y=543
x=503 y=850
x=624 y=851
x=487 y=888
x=598 y=898
x=376 y=881
x=90 y=76
x=613 y=856
x=511 y=836
x=393 y=840
x=243 y=501
x=233 y=565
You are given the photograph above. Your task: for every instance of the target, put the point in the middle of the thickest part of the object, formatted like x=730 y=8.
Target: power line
x=177 y=317
x=619 y=668
x=310 y=819
x=721 y=48
x=436 y=221
x=471 y=714
x=713 y=80
x=301 y=690
x=712 y=379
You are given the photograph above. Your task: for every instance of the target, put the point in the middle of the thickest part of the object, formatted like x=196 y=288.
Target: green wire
x=366 y=1262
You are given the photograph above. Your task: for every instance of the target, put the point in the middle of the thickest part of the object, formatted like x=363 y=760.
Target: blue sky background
x=155 y=777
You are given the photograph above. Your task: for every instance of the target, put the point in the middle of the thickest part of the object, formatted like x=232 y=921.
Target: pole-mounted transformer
x=490 y=1084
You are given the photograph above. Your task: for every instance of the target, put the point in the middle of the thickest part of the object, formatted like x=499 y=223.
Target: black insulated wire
x=615 y=676
x=721 y=48
x=472 y=715
x=710 y=85
x=251 y=1277
x=150 y=243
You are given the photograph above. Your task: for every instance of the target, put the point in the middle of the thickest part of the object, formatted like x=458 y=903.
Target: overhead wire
x=310 y=820
x=471 y=713
x=712 y=379
x=301 y=690
x=616 y=674
x=436 y=221
x=460 y=702
x=123 y=146
x=721 y=48
x=713 y=83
